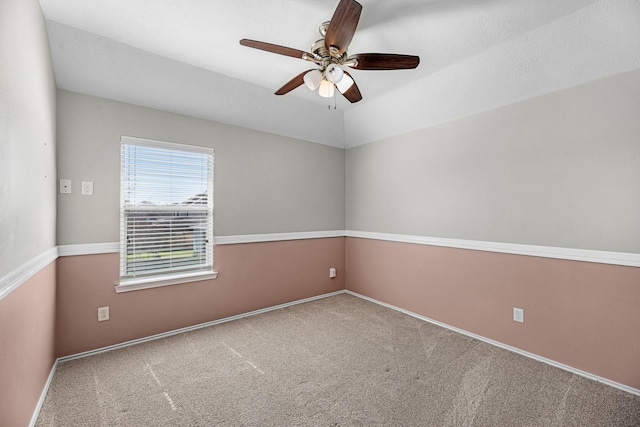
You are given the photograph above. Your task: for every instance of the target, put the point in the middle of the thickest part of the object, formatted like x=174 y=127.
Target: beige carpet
x=339 y=361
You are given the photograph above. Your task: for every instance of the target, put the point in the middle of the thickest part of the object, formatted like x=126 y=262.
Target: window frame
x=170 y=277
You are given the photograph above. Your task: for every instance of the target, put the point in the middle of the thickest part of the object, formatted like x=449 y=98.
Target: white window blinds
x=166 y=209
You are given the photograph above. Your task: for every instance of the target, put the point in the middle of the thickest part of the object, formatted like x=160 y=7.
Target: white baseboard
x=195 y=327
x=504 y=346
x=36 y=413
x=43 y=395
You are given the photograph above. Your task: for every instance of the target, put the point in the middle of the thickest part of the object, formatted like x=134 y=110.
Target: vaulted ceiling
x=184 y=56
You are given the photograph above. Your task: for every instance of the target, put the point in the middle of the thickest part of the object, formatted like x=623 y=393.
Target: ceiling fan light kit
x=313 y=79
x=330 y=55
x=344 y=84
x=326 y=89
x=333 y=73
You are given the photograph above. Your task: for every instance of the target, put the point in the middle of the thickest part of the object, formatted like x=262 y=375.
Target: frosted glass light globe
x=333 y=73
x=326 y=89
x=312 y=79
x=344 y=84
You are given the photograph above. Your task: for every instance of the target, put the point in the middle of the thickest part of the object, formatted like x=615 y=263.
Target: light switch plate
x=65 y=186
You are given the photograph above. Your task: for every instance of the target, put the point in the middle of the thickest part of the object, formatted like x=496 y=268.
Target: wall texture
x=27 y=208
x=559 y=170
x=27 y=136
x=562 y=170
x=584 y=315
x=264 y=183
x=27 y=346
x=251 y=276
x=597 y=40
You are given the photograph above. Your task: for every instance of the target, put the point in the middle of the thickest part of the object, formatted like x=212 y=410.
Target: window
x=166 y=213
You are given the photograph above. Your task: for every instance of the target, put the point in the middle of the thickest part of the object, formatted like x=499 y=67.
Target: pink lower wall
x=251 y=276
x=585 y=315
x=27 y=346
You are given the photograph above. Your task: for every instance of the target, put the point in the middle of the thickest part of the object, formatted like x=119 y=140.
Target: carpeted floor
x=339 y=361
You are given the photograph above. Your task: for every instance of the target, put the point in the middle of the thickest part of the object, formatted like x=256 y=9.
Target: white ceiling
x=184 y=56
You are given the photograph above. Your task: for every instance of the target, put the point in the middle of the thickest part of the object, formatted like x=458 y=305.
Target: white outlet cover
x=103 y=314
x=87 y=188
x=332 y=273
x=518 y=314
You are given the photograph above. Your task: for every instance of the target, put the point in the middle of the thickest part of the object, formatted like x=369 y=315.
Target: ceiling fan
x=330 y=55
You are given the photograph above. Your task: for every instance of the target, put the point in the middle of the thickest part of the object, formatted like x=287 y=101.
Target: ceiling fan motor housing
x=318 y=49
x=326 y=57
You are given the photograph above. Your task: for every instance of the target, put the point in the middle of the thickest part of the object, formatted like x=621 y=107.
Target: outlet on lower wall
x=332 y=273
x=103 y=314
x=518 y=314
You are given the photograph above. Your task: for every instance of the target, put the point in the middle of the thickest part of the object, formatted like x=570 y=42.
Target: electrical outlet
x=332 y=273
x=103 y=314
x=87 y=188
x=518 y=314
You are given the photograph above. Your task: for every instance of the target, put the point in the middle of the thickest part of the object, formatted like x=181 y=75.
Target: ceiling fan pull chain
x=334 y=103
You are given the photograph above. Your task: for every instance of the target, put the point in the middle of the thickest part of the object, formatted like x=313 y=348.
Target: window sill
x=129 y=285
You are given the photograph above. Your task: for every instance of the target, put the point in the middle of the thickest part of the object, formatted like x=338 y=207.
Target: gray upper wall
x=559 y=170
x=597 y=41
x=264 y=183
x=27 y=136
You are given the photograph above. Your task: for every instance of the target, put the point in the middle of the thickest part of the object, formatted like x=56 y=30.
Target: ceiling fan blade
x=343 y=26
x=292 y=84
x=352 y=93
x=384 y=61
x=274 y=48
